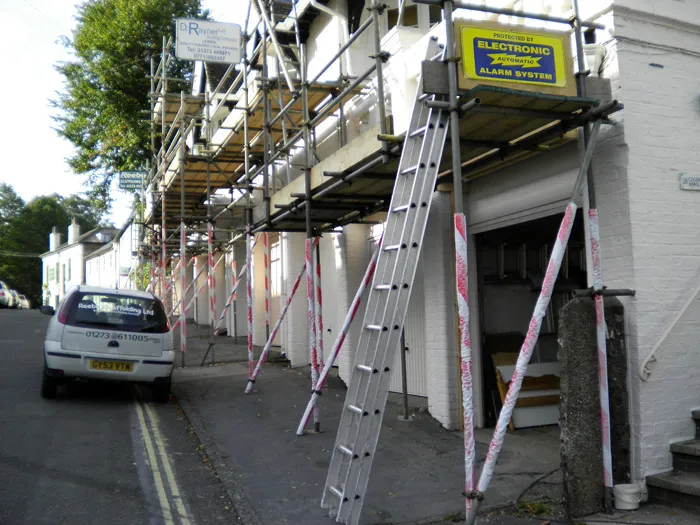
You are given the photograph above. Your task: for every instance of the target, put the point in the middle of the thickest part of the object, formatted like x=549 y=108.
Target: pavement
x=274 y=476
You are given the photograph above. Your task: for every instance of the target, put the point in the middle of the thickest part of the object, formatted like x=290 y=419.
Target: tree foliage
x=103 y=109
x=11 y=204
x=26 y=231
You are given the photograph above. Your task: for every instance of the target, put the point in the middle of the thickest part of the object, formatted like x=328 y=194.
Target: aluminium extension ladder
x=387 y=305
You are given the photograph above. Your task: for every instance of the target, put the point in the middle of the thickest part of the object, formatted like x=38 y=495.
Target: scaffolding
x=232 y=162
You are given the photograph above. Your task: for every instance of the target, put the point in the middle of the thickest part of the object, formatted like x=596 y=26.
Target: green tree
x=11 y=204
x=101 y=109
x=28 y=233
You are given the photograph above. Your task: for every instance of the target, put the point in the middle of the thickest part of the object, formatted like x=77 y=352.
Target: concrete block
x=581 y=452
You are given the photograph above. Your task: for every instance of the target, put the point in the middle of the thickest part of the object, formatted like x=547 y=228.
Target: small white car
x=108 y=334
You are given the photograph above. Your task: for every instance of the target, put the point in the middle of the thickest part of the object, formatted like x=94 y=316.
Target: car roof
x=125 y=292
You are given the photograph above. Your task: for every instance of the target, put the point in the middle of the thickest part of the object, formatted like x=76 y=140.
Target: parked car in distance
x=16 y=300
x=109 y=334
x=24 y=302
x=5 y=297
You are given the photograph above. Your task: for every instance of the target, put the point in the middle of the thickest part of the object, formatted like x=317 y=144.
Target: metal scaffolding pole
x=461 y=278
x=183 y=242
x=596 y=274
x=309 y=230
x=379 y=58
x=163 y=110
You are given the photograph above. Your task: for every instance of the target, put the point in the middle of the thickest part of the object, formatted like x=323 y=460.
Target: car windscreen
x=117 y=312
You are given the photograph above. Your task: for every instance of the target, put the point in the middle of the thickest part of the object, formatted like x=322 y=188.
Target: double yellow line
x=166 y=485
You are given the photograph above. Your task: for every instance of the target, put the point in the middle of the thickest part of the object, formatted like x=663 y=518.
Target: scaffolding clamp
x=384 y=56
x=474 y=494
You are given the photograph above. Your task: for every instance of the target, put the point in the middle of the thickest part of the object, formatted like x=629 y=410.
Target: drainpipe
x=346 y=35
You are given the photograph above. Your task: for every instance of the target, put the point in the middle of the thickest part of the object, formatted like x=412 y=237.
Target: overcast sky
x=33 y=153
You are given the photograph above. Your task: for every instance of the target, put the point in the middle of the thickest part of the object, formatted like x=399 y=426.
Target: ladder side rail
x=375 y=303
x=406 y=269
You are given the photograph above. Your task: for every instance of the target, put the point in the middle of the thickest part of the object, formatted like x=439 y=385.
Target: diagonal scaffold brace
x=533 y=332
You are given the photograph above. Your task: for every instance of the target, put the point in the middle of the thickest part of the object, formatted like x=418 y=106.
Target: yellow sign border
x=468 y=33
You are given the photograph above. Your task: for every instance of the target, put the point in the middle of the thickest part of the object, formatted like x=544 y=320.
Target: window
x=69 y=272
x=58 y=269
x=117 y=312
x=410 y=16
x=434 y=14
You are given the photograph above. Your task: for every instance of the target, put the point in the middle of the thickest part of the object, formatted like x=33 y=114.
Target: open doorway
x=511 y=264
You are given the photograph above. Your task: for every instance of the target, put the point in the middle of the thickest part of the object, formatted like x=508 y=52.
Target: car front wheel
x=161 y=389
x=49 y=385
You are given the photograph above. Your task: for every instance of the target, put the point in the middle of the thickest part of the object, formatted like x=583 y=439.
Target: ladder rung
x=336 y=491
x=383 y=287
x=365 y=368
x=403 y=207
x=392 y=248
x=356 y=409
x=375 y=327
x=410 y=170
x=345 y=450
x=419 y=131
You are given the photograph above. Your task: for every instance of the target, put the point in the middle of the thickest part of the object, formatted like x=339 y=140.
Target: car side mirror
x=47 y=310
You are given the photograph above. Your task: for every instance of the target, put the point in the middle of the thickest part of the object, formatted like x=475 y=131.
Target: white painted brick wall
x=441 y=336
x=660 y=89
x=201 y=303
x=259 y=293
x=354 y=257
x=296 y=338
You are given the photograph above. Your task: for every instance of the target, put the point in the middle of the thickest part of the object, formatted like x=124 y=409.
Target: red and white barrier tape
x=352 y=311
x=249 y=297
x=319 y=312
x=266 y=264
x=528 y=346
x=460 y=231
x=594 y=231
x=273 y=334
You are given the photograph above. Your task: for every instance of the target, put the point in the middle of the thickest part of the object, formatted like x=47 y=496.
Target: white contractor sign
x=690 y=182
x=207 y=41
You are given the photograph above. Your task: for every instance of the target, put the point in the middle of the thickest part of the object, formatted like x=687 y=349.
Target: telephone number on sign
x=119 y=337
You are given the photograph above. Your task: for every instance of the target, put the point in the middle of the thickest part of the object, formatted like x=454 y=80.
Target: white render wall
x=296 y=340
x=441 y=336
x=662 y=130
x=354 y=255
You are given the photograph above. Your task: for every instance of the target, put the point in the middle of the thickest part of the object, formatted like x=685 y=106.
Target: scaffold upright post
x=164 y=224
x=461 y=275
x=379 y=56
x=183 y=238
x=309 y=230
x=595 y=275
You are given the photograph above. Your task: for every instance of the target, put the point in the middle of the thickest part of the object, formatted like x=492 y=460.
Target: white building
x=649 y=59
x=114 y=264
x=63 y=265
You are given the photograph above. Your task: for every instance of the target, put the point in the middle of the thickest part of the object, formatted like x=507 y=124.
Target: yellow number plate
x=117 y=366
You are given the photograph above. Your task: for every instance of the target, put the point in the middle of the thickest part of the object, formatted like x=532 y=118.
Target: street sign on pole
x=207 y=41
x=131 y=180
